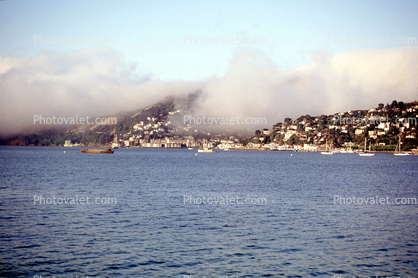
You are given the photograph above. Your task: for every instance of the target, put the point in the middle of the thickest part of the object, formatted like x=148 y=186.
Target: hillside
x=382 y=126
x=158 y=124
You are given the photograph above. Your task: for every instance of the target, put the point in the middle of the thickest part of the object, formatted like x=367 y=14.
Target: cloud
x=98 y=82
x=254 y=87
x=94 y=82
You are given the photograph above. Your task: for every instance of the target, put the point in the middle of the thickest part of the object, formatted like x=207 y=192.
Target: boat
x=97 y=151
x=366 y=153
x=205 y=150
x=401 y=154
x=327 y=152
x=398 y=150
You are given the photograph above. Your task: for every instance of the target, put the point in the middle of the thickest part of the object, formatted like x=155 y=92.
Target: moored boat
x=398 y=150
x=401 y=154
x=366 y=153
x=205 y=150
x=97 y=151
x=327 y=152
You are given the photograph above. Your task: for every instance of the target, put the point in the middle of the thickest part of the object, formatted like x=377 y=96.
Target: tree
x=292 y=140
x=341 y=140
x=288 y=121
x=322 y=118
x=277 y=126
x=46 y=142
x=393 y=130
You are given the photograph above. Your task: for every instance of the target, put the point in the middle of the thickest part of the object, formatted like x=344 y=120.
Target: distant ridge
x=163 y=120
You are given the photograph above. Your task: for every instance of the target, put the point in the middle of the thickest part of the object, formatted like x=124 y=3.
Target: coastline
x=413 y=152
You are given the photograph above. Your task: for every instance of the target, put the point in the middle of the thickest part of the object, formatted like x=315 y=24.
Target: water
x=156 y=229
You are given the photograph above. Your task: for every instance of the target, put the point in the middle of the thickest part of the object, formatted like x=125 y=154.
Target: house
x=266 y=131
x=310 y=148
x=298 y=147
x=273 y=146
x=359 y=131
x=289 y=134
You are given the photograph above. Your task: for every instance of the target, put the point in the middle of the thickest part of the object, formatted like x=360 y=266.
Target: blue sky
x=272 y=59
x=158 y=35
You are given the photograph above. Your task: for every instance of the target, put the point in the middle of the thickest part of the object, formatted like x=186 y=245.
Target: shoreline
x=231 y=149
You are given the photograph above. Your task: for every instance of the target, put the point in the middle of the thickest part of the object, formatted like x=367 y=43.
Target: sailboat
x=327 y=152
x=366 y=153
x=398 y=150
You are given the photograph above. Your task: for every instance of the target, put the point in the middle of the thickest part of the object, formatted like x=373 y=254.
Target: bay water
x=179 y=213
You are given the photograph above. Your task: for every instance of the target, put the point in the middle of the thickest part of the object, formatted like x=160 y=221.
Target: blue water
x=155 y=230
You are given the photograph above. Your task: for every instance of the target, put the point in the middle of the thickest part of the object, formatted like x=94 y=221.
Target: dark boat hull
x=97 y=151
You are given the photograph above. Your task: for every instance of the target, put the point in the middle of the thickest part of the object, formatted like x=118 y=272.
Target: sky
x=274 y=59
